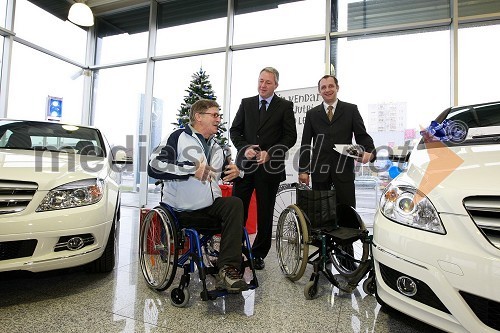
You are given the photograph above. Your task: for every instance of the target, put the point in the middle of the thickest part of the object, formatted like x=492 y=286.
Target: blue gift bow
x=440 y=131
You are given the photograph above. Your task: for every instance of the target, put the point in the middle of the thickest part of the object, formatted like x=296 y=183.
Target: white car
x=436 y=237
x=59 y=197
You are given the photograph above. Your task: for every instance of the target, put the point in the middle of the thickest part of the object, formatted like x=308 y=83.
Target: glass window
x=370 y=14
x=34 y=77
x=287 y=59
x=50 y=32
x=191 y=25
x=123 y=36
x=122 y=47
x=119 y=95
x=172 y=80
x=267 y=20
x=1 y=58
x=478 y=7
x=118 y=113
x=3 y=12
x=398 y=84
x=478 y=66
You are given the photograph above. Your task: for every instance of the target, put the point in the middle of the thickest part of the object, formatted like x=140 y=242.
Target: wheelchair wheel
x=292 y=239
x=369 y=285
x=179 y=297
x=350 y=259
x=157 y=253
x=311 y=290
x=284 y=198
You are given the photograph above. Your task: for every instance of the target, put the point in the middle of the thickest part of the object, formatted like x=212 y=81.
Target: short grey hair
x=272 y=70
x=201 y=106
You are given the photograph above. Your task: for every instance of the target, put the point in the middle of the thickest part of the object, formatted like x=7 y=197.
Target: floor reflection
x=77 y=301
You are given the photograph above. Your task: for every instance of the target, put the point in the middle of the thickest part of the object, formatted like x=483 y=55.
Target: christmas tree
x=200 y=88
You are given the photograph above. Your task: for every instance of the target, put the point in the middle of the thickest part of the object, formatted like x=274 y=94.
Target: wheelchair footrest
x=215 y=293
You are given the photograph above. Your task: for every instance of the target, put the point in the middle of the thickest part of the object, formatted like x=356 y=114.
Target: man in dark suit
x=263 y=130
x=333 y=122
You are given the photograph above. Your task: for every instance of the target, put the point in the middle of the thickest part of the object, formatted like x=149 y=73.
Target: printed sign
x=304 y=99
x=54 y=108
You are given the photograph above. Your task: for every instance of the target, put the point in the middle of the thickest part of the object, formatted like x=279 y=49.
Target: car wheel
x=106 y=262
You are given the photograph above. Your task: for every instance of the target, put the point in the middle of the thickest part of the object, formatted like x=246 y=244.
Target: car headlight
x=75 y=194
x=406 y=205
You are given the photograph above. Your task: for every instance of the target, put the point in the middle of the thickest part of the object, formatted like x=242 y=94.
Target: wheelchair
x=165 y=245
x=344 y=246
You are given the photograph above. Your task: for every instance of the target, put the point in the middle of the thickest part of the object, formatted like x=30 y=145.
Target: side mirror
x=120 y=156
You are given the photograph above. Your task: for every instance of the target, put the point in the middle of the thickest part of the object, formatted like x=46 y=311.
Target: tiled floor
x=77 y=301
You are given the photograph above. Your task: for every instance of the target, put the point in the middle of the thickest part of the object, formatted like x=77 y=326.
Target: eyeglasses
x=214 y=115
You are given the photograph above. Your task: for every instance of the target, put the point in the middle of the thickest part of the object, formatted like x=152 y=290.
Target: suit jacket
x=276 y=133
x=325 y=134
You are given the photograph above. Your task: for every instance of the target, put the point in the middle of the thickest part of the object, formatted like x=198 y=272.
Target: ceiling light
x=80 y=14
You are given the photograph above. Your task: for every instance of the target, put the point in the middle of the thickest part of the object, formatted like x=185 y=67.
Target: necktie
x=330 y=112
x=262 y=109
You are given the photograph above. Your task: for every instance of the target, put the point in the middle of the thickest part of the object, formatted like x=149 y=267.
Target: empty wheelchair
x=165 y=245
x=338 y=248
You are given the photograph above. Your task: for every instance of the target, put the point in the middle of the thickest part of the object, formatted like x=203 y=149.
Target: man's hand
x=365 y=158
x=204 y=171
x=251 y=152
x=304 y=178
x=231 y=172
x=262 y=157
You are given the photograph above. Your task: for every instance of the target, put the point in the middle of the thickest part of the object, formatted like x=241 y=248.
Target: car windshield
x=468 y=125
x=55 y=137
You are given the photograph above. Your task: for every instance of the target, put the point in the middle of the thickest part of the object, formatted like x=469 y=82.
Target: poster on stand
x=304 y=99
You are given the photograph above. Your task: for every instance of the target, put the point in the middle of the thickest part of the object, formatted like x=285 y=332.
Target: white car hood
x=50 y=169
x=447 y=175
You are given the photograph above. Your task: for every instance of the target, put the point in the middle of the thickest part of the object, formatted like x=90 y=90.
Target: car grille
x=17 y=249
x=485 y=212
x=486 y=310
x=15 y=196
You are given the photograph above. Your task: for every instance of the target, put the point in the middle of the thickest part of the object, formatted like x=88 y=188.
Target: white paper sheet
x=342 y=149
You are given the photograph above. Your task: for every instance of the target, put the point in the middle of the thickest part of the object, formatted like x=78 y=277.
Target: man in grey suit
x=263 y=130
x=333 y=122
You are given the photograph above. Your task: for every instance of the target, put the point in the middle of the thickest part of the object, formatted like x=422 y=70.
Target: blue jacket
x=174 y=161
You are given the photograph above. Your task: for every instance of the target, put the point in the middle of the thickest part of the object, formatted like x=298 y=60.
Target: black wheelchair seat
x=200 y=221
x=345 y=235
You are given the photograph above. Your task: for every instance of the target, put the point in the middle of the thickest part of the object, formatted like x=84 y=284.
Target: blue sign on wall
x=54 y=108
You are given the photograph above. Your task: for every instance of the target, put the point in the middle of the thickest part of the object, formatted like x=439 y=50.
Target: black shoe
x=258 y=263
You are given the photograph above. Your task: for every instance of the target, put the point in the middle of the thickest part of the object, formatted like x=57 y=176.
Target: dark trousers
x=228 y=210
x=266 y=197
x=345 y=191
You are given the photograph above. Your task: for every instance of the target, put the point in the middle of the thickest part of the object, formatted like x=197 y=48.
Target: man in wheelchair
x=190 y=163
